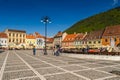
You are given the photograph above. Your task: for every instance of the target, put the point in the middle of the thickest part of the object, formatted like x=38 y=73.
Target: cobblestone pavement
x=22 y=65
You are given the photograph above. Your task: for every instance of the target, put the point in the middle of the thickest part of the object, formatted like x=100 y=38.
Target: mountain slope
x=97 y=22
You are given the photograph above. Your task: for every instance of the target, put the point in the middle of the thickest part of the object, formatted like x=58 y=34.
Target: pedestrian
x=58 y=51
x=53 y=50
x=34 y=50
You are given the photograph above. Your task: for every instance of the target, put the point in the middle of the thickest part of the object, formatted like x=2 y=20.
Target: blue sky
x=26 y=14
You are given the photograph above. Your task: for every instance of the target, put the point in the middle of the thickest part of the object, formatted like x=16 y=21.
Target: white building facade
x=3 y=40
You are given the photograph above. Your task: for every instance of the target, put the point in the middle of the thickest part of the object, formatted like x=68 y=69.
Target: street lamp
x=45 y=20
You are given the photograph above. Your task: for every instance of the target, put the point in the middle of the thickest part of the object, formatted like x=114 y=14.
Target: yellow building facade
x=30 y=41
x=16 y=38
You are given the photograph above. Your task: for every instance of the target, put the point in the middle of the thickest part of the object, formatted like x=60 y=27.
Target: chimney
x=74 y=32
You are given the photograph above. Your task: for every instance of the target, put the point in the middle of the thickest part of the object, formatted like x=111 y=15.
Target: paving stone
x=117 y=62
x=59 y=63
x=118 y=66
x=66 y=76
x=49 y=71
x=13 y=64
x=93 y=65
x=116 y=72
x=41 y=66
x=73 y=67
x=19 y=61
x=76 y=62
x=12 y=68
x=34 y=78
x=109 y=69
x=1 y=64
x=13 y=75
x=91 y=61
x=106 y=63
x=92 y=74
x=114 y=78
x=35 y=62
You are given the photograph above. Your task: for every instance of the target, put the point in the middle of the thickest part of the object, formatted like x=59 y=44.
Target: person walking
x=34 y=50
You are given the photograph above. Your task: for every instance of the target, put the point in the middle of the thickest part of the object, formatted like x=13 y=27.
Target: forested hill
x=97 y=22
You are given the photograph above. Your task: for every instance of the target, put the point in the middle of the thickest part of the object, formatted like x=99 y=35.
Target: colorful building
x=3 y=40
x=111 y=36
x=58 y=39
x=40 y=41
x=30 y=41
x=49 y=43
x=78 y=40
x=93 y=39
x=16 y=38
x=68 y=41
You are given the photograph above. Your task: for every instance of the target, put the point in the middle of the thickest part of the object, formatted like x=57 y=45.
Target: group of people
x=56 y=51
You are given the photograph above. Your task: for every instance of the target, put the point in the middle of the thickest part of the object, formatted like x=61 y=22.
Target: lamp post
x=45 y=20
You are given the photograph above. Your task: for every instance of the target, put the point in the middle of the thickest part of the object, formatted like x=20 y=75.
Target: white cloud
x=115 y=2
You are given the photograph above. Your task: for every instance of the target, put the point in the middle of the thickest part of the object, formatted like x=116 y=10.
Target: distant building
x=30 y=41
x=58 y=39
x=16 y=38
x=49 y=43
x=3 y=40
x=111 y=36
x=78 y=40
x=69 y=40
x=40 y=42
x=93 y=39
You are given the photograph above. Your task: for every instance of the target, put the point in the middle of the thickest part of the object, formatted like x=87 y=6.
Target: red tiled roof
x=112 y=31
x=94 y=35
x=37 y=35
x=70 y=37
x=13 y=30
x=80 y=36
x=3 y=35
x=50 y=40
x=30 y=36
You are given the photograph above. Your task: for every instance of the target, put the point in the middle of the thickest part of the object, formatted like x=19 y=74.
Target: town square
x=23 y=65
x=59 y=39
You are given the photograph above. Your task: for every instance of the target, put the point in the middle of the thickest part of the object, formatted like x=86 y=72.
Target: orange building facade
x=68 y=41
x=110 y=34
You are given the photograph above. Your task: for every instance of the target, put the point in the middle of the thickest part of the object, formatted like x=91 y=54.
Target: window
x=9 y=34
x=16 y=35
x=94 y=42
x=20 y=40
x=23 y=40
x=13 y=34
x=115 y=39
x=106 y=40
x=16 y=40
x=99 y=41
x=89 y=42
x=23 y=35
x=13 y=40
x=9 y=40
x=20 y=35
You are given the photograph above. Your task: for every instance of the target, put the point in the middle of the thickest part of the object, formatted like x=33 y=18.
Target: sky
x=27 y=14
